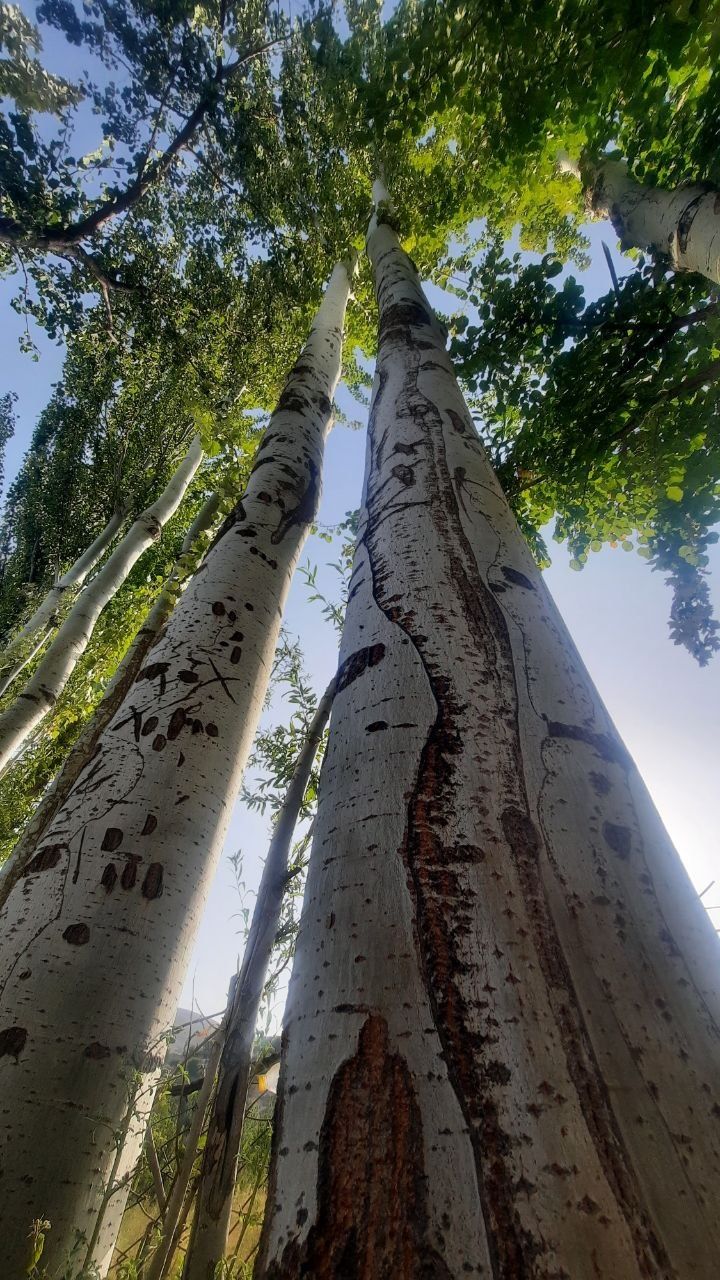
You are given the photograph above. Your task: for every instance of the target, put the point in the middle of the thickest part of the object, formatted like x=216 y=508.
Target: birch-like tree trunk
x=95 y=939
x=500 y=1054
x=20 y=661
x=85 y=747
x=683 y=224
x=211 y=1224
x=53 y=672
x=16 y=656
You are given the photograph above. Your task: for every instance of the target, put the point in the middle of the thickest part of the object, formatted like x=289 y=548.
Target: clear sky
x=666 y=708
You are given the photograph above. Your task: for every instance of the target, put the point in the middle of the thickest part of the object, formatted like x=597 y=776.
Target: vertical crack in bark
x=372 y=1216
x=441 y=915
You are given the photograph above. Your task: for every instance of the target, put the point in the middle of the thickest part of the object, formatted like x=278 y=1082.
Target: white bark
x=13 y=668
x=95 y=939
x=52 y=674
x=15 y=657
x=211 y=1224
x=683 y=224
x=500 y=1054
x=123 y=677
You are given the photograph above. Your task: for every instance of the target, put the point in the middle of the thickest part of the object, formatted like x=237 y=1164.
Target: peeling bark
x=501 y=1048
x=159 y=791
x=15 y=657
x=53 y=672
x=682 y=225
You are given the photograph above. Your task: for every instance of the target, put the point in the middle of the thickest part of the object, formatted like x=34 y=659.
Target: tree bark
x=176 y=1212
x=95 y=938
x=43 y=617
x=84 y=748
x=53 y=672
x=13 y=670
x=499 y=1056
x=211 y=1224
x=683 y=225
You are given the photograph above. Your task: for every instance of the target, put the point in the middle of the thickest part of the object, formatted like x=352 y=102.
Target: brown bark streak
x=442 y=918
x=372 y=1216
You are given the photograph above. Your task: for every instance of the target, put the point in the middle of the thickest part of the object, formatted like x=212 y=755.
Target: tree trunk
x=52 y=674
x=15 y=658
x=155 y=1170
x=83 y=750
x=95 y=938
x=211 y=1225
x=13 y=668
x=163 y=1256
x=499 y=1057
x=173 y=1220
x=683 y=224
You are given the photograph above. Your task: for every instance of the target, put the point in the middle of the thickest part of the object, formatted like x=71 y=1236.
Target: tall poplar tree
x=95 y=937
x=501 y=1043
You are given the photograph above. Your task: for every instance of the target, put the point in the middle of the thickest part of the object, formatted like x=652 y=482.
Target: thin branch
x=709 y=374
x=156 y=1172
x=57 y=240
x=611 y=269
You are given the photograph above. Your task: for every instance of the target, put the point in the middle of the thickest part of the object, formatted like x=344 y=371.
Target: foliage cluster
x=603 y=415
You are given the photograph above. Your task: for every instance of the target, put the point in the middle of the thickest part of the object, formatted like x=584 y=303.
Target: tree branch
x=65 y=241
x=709 y=374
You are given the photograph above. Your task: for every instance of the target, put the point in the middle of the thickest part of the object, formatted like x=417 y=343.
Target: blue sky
x=666 y=708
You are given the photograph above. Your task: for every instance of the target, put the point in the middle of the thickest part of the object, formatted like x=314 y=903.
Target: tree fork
x=95 y=937
x=501 y=1043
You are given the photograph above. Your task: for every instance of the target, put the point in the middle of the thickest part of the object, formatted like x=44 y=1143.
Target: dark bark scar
x=372 y=1218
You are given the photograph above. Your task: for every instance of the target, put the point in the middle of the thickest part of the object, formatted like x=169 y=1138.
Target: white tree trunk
x=46 y=610
x=85 y=746
x=19 y=662
x=52 y=674
x=683 y=224
x=499 y=1055
x=211 y=1224
x=95 y=939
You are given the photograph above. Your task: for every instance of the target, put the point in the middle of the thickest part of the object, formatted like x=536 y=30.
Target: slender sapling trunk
x=211 y=1224
x=53 y=672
